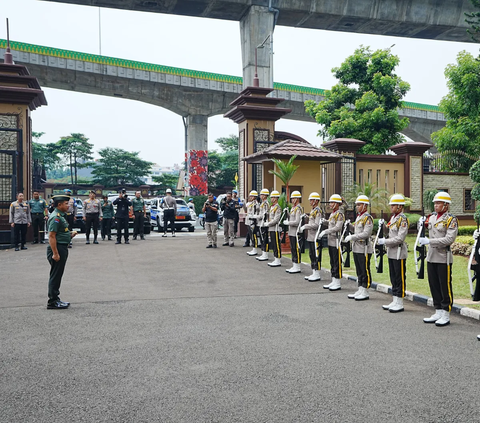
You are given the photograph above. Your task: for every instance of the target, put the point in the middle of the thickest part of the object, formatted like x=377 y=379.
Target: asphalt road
x=165 y=330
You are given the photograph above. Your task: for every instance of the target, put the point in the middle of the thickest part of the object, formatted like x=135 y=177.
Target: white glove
x=381 y=222
x=348 y=238
x=424 y=241
x=321 y=234
x=476 y=234
x=347 y=221
x=265 y=225
x=285 y=222
x=301 y=229
x=381 y=241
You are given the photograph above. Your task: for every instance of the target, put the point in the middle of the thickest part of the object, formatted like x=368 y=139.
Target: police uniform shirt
x=169 y=203
x=397 y=232
x=251 y=211
x=92 y=206
x=294 y=220
x=37 y=206
x=138 y=204
x=363 y=231
x=19 y=213
x=72 y=206
x=335 y=226
x=442 y=233
x=262 y=215
x=274 y=216
x=107 y=209
x=313 y=223
x=58 y=224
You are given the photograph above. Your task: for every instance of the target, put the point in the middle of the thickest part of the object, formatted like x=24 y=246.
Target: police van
x=185 y=217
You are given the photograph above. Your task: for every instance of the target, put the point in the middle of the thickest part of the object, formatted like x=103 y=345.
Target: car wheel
x=191 y=229
x=159 y=228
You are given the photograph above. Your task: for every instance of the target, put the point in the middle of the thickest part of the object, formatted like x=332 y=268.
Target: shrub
x=413 y=219
x=466 y=230
x=460 y=249
x=465 y=240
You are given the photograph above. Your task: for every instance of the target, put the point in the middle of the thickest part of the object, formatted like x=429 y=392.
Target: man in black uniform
x=123 y=204
x=59 y=237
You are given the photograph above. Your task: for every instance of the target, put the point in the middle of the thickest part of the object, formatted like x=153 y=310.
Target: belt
x=38 y=213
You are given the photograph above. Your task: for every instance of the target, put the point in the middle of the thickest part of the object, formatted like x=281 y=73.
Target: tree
x=285 y=171
x=120 y=167
x=167 y=180
x=77 y=151
x=461 y=107
x=363 y=105
x=223 y=166
x=229 y=143
x=45 y=155
x=378 y=196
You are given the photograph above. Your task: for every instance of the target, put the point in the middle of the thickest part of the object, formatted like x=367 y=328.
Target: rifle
x=285 y=214
x=422 y=250
x=346 y=246
x=300 y=236
x=475 y=254
x=379 y=250
x=320 y=243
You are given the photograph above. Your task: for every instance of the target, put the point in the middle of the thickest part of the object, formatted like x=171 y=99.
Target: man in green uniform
x=139 y=215
x=39 y=211
x=57 y=251
x=107 y=210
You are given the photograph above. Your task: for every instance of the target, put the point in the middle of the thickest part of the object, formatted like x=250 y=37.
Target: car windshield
x=181 y=202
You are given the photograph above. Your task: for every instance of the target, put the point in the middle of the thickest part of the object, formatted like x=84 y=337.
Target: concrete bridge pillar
x=196 y=154
x=255 y=27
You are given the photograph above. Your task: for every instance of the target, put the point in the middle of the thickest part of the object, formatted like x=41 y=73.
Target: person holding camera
x=169 y=205
x=210 y=208
x=228 y=205
x=123 y=204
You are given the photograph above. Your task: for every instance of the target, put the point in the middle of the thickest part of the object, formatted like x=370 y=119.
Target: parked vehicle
x=79 y=223
x=185 y=218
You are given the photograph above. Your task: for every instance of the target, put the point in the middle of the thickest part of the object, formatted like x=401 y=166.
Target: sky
x=301 y=57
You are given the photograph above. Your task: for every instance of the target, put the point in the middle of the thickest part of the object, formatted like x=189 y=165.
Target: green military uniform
x=107 y=210
x=37 y=209
x=57 y=224
x=138 y=204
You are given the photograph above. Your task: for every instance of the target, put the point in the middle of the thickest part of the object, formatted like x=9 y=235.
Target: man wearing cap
x=229 y=211
x=334 y=232
x=107 y=212
x=362 y=248
x=191 y=204
x=57 y=250
x=139 y=215
x=251 y=208
x=262 y=219
x=92 y=214
x=442 y=229
x=20 y=219
x=314 y=220
x=274 y=216
x=39 y=211
x=293 y=222
x=71 y=211
x=210 y=208
x=396 y=252
x=121 y=216
x=169 y=205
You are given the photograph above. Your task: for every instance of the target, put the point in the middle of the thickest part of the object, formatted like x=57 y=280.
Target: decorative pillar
x=255 y=27
x=196 y=155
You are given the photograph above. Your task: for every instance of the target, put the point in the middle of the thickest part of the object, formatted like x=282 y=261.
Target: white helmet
x=295 y=194
x=168 y=191
x=442 y=196
x=314 y=196
x=335 y=198
x=362 y=199
x=264 y=191
x=397 y=200
x=253 y=193
x=274 y=194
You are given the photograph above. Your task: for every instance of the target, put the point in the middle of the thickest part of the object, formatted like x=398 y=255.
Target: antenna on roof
x=8 y=58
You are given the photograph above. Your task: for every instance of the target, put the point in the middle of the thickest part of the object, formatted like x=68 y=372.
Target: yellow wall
x=387 y=172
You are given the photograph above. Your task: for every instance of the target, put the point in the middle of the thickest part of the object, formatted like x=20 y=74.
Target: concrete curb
x=423 y=299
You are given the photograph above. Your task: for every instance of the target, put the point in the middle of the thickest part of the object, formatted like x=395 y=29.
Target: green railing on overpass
x=131 y=64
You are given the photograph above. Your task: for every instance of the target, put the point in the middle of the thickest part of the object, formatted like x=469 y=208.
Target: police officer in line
x=314 y=220
x=139 y=215
x=293 y=222
x=262 y=218
x=107 y=212
x=169 y=205
x=20 y=219
x=71 y=211
x=57 y=250
x=251 y=209
x=442 y=229
x=228 y=206
x=123 y=204
x=39 y=211
x=334 y=233
x=362 y=247
x=396 y=252
x=92 y=214
x=210 y=208
x=274 y=216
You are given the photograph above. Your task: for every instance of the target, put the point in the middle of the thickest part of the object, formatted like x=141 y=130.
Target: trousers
x=296 y=253
x=20 y=233
x=275 y=240
x=38 y=223
x=122 y=224
x=228 y=230
x=107 y=228
x=398 y=271
x=169 y=218
x=335 y=262
x=362 y=267
x=138 y=223
x=440 y=281
x=56 y=271
x=92 y=220
x=212 y=228
x=315 y=254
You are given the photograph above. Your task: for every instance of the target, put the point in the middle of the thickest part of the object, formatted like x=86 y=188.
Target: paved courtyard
x=165 y=330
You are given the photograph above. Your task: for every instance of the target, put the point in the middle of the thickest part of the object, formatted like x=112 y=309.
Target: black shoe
x=232 y=245
x=173 y=235
x=246 y=245
x=42 y=242
x=109 y=238
x=224 y=244
x=208 y=246
x=164 y=235
x=95 y=242
x=103 y=238
x=88 y=242
x=142 y=238
x=35 y=242
x=214 y=245
x=57 y=305
x=17 y=249
x=24 y=248
x=134 y=237
x=118 y=242
x=127 y=242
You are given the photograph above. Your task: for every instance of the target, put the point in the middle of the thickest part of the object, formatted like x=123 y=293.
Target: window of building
x=468 y=201
x=377 y=183
x=360 y=177
x=387 y=179
x=369 y=176
x=395 y=180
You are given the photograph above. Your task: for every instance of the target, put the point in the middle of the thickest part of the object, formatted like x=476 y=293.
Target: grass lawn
x=461 y=287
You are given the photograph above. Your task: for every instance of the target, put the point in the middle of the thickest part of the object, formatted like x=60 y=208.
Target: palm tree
x=285 y=171
x=378 y=196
